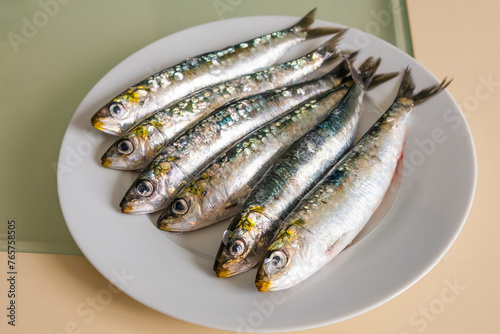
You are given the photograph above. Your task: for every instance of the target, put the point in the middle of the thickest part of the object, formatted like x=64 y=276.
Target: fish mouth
x=136 y=207
x=165 y=224
x=264 y=282
x=172 y=223
x=224 y=273
x=231 y=267
x=106 y=162
x=105 y=123
x=115 y=163
x=230 y=272
x=263 y=285
x=113 y=159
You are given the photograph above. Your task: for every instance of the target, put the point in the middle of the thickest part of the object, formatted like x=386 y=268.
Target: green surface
x=53 y=52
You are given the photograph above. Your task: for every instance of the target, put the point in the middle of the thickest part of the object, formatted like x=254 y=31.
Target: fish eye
x=278 y=259
x=125 y=147
x=116 y=109
x=180 y=206
x=144 y=188
x=236 y=247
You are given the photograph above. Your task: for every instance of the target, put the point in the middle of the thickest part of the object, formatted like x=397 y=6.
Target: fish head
x=134 y=150
x=283 y=265
x=123 y=111
x=152 y=189
x=242 y=248
x=189 y=209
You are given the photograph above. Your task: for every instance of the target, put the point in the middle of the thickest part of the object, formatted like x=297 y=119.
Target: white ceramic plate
x=416 y=224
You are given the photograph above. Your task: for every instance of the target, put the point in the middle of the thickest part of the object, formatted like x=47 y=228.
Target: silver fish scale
x=159 y=90
x=188 y=154
x=295 y=171
x=217 y=66
x=290 y=177
x=338 y=207
x=231 y=123
x=235 y=172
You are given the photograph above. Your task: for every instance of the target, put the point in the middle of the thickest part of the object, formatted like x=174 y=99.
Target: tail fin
x=343 y=69
x=330 y=48
x=382 y=78
x=407 y=87
x=366 y=71
x=429 y=92
x=303 y=27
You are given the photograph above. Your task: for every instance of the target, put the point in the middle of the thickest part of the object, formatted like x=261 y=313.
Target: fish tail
x=429 y=92
x=303 y=27
x=408 y=86
x=330 y=48
x=366 y=71
x=320 y=32
x=342 y=69
x=382 y=78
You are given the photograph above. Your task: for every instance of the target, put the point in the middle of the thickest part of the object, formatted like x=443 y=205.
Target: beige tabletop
x=65 y=293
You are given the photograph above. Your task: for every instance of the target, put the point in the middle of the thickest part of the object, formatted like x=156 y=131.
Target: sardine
x=192 y=74
x=137 y=148
x=220 y=189
x=294 y=173
x=181 y=160
x=335 y=211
